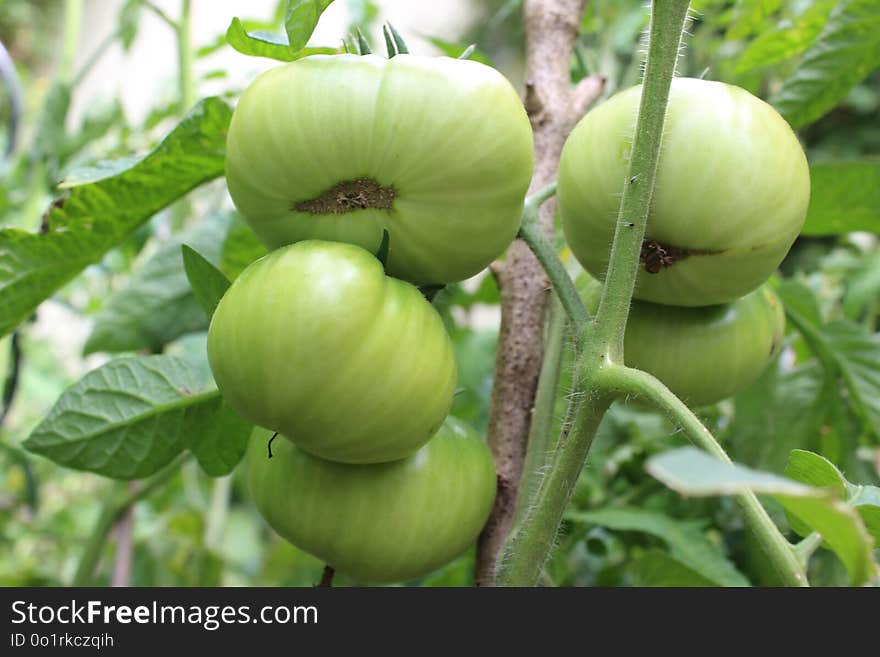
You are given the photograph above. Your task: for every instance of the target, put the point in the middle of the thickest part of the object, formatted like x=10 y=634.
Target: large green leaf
x=687 y=542
x=132 y=416
x=259 y=43
x=772 y=47
x=846 y=350
x=783 y=410
x=844 y=197
x=157 y=304
x=97 y=216
x=657 y=568
x=815 y=470
x=695 y=473
x=300 y=20
x=750 y=16
x=845 y=52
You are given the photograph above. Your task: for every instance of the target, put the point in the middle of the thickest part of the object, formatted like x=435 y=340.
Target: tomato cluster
x=339 y=353
x=730 y=198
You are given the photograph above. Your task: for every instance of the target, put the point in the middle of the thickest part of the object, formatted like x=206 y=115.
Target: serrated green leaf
x=95 y=217
x=157 y=305
x=657 y=568
x=132 y=416
x=845 y=52
x=781 y=411
x=686 y=541
x=857 y=354
x=844 y=197
x=862 y=285
x=209 y=284
x=772 y=47
x=301 y=19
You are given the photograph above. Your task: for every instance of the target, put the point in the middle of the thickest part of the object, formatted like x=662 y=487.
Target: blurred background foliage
x=624 y=527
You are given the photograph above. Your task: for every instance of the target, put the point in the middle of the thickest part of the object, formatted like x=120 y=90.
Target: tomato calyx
x=350 y=196
x=656 y=256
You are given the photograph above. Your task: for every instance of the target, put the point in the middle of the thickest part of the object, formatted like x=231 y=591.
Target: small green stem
x=217 y=511
x=111 y=512
x=805 y=548
x=540 y=446
x=624 y=380
x=185 y=57
x=667 y=24
x=165 y=18
x=528 y=547
x=532 y=234
x=73 y=10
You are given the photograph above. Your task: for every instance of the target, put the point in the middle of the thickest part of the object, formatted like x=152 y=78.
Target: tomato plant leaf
x=132 y=416
x=300 y=20
x=788 y=405
x=659 y=568
x=790 y=39
x=209 y=284
x=695 y=473
x=816 y=470
x=687 y=542
x=259 y=43
x=844 y=197
x=750 y=15
x=845 y=52
x=95 y=217
x=157 y=305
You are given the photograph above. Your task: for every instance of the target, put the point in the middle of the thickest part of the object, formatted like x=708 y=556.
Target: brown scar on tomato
x=656 y=256
x=350 y=196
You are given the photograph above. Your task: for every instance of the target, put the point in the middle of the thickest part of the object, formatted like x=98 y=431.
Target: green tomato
x=438 y=151
x=380 y=523
x=703 y=354
x=316 y=342
x=731 y=194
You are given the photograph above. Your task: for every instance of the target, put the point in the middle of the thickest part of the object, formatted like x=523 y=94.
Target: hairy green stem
x=528 y=547
x=806 y=547
x=532 y=234
x=781 y=554
x=667 y=24
x=112 y=511
x=540 y=446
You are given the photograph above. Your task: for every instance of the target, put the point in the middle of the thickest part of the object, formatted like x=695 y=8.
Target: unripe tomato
x=704 y=354
x=316 y=342
x=380 y=523
x=438 y=151
x=731 y=193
